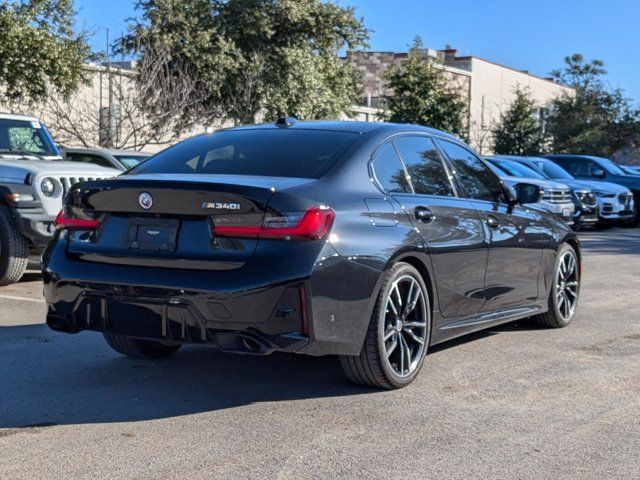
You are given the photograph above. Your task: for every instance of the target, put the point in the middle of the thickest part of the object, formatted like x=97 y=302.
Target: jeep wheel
x=14 y=249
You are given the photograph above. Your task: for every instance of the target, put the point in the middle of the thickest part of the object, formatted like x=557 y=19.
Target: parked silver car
x=33 y=183
x=556 y=196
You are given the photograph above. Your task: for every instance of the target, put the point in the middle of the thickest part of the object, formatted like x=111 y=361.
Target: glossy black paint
x=485 y=263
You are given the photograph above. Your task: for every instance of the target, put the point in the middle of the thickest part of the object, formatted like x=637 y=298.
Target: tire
x=14 y=249
x=138 y=348
x=562 y=310
x=373 y=367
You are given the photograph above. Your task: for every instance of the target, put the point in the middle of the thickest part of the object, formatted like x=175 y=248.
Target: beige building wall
x=492 y=92
x=487 y=87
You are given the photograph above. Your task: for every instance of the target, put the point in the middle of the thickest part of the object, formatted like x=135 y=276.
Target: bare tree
x=145 y=105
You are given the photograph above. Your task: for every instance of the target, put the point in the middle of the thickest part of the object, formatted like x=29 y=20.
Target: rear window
x=277 y=153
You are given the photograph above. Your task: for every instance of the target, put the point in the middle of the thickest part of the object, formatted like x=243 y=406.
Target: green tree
x=39 y=50
x=519 y=132
x=247 y=57
x=596 y=120
x=423 y=95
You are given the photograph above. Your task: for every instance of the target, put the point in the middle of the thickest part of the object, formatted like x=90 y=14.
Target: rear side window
x=389 y=170
x=424 y=165
x=262 y=152
x=479 y=182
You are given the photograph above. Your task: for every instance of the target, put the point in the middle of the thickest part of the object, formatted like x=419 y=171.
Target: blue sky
x=532 y=35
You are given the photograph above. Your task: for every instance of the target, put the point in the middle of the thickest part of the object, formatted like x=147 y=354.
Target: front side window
x=389 y=170
x=581 y=168
x=516 y=169
x=424 y=165
x=478 y=181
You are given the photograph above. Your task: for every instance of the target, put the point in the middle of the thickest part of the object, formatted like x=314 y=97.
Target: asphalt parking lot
x=515 y=402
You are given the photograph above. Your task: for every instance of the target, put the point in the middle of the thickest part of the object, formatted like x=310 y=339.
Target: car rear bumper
x=235 y=311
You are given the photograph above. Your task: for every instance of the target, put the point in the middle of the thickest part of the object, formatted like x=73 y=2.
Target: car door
x=450 y=226
x=517 y=234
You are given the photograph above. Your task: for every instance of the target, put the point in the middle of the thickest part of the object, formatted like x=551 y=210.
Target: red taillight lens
x=65 y=222
x=311 y=225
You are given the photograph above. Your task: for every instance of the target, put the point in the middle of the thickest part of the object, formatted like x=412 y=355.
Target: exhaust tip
x=251 y=345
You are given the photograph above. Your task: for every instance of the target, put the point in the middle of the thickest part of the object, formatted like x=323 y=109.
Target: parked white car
x=33 y=183
x=556 y=197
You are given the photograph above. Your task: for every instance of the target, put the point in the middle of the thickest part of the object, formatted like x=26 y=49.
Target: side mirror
x=528 y=193
x=598 y=173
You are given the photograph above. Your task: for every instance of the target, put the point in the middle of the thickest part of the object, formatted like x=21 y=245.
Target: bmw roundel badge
x=145 y=200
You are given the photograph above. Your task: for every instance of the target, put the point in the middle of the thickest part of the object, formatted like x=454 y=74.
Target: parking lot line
x=26 y=299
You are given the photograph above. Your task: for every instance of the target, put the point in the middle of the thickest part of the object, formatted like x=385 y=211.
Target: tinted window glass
x=552 y=170
x=424 y=165
x=610 y=167
x=478 y=181
x=84 y=158
x=516 y=169
x=581 y=168
x=262 y=152
x=390 y=171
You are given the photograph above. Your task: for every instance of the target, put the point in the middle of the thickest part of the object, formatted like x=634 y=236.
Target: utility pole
x=110 y=79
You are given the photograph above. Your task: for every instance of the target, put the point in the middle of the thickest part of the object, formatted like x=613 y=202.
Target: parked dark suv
x=366 y=240
x=602 y=169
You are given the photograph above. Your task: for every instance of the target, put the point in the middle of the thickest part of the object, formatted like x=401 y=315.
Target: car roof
x=570 y=156
x=11 y=116
x=110 y=151
x=347 y=126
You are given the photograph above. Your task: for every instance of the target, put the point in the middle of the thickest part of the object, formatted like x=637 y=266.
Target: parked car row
x=587 y=200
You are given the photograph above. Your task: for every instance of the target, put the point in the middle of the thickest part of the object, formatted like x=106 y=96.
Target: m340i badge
x=221 y=206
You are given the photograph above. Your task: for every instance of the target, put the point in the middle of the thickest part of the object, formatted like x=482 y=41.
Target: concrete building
x=106 y=112
x=487 y=87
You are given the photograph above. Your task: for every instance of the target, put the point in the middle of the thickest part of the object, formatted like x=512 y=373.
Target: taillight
x=64 y=221
x=310 y=225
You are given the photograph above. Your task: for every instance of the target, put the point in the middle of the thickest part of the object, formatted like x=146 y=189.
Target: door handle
x=424 y=215
x=492 y=222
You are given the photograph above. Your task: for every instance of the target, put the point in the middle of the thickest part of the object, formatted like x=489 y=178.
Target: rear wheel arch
x=576 y=248
x=417 y=263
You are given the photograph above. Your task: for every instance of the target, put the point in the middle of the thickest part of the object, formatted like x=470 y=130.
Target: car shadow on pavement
x=524 y=325
x=50 y=378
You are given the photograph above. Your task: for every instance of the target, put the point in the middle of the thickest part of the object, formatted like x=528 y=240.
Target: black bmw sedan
x=365 y=240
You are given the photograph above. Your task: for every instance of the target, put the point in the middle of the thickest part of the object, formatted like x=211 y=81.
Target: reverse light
x=66 y=222
x=310 y=225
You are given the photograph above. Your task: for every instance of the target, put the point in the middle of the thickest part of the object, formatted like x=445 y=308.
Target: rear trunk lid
x=166 y=220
